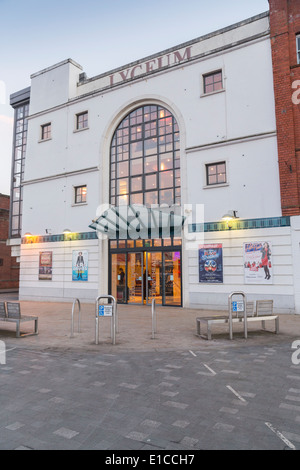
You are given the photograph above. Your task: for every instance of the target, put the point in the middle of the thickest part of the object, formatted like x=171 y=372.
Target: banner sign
x=258 y=263
x=211 y=263
x=80 y=266
x=45 y=266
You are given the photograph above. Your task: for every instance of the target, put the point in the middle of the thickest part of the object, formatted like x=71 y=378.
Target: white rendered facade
x=234 y=125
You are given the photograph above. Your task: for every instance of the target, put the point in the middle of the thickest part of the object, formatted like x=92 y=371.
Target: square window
x=136 y=198
x=213 y=82
x=46 y=131
x=122 y=169
x=166 y=161
x=136 y=166
x=80 y=194
x=151 y=164
x=150 y=146
x=82 y=120
x=136 y=184
x=151 y=197
x=166 y=197
x=122 y=186
x=216 y=173
x=166 y=179
x=151 y=181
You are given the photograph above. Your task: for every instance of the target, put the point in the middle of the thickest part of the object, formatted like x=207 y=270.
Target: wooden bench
x=11 y=312
x=263 y=313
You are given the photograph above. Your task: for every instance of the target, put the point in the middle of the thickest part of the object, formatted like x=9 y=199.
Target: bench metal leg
x=18 y=329
x=208 y=331
x=198 y=328
x=36 y=329
x=263 y=324
x=277 y=325
x=35 y=332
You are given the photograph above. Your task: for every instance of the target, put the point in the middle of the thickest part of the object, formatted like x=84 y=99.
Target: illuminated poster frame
x=211 y=263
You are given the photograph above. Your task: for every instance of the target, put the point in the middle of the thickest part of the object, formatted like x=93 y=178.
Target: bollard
x=72 y=321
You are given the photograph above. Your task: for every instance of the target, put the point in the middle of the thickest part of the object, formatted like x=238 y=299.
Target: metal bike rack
x=111 y=311
x=153 y=318
x=79 y=315
x=230 y=312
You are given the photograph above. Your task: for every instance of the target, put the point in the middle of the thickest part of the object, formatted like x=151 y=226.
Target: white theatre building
x=192 y=126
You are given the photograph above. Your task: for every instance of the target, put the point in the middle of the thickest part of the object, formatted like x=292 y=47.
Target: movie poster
x=258 y=263
x=211 y=263
x=45 y=265
x=80 y=266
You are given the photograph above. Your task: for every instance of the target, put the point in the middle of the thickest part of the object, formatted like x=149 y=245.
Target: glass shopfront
x=149 y=271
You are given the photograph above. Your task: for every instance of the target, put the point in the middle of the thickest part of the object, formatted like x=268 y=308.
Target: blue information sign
x=238 y=306
x=105 y=310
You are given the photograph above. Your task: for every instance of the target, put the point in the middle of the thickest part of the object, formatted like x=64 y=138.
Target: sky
x=100 y=35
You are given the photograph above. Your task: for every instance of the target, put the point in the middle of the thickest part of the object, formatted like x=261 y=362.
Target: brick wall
x=284 y=26
x=9 y=268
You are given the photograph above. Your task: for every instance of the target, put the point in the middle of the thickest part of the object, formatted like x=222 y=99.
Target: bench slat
x=2 y=310
x=264 y=307
x=13 y=310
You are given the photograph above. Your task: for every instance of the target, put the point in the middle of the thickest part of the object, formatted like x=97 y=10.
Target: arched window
x=145 y=159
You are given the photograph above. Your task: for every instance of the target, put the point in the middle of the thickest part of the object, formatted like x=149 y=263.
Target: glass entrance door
x=154 y=276
x=140 y=277
x=172 y=278
x=118 y=276
x=135 y=281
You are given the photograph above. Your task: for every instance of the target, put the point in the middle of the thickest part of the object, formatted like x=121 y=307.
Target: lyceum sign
x=151 y=65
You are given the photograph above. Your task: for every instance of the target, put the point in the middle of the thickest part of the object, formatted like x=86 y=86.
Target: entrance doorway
x=138 y=277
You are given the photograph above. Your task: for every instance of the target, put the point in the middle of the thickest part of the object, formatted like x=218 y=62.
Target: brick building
x=285 y=43
x=9 y=268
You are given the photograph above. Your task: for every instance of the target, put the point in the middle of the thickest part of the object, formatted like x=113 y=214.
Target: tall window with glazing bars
x=18 y=164
x=145 y=159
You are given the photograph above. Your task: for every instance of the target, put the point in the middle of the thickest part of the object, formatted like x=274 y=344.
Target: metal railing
x=79 y=317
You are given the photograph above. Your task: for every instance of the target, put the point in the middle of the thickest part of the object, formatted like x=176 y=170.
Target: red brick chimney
x=284 y=28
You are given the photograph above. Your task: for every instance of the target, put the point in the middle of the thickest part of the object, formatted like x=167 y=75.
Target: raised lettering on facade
x=151 y=66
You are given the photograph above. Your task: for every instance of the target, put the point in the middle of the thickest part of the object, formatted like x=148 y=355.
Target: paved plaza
x=176 y=392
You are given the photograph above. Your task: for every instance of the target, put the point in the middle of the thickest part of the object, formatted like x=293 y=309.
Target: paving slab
x=172 y=393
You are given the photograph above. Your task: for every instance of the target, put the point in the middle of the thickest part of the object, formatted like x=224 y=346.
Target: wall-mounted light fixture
x=28 y=236
x=67 y=234
x=229 y=218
